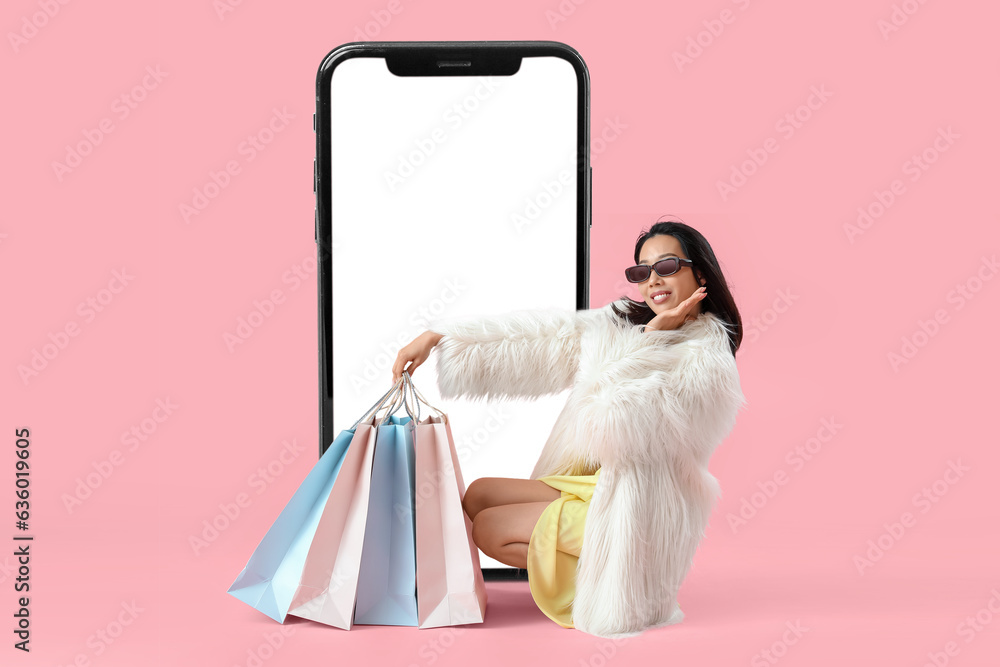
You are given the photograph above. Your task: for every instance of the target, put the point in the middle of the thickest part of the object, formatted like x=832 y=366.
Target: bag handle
x=401 y=394
x=377 y=406
x=397 y=390
x=419 y=396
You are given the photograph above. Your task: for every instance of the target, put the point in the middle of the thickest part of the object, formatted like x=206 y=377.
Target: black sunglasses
x=665 y=267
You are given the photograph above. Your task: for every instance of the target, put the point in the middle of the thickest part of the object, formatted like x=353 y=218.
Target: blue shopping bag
x=387 y=585
x=271 y=578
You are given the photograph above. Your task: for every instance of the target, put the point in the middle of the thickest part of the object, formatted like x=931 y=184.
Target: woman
x=619 y=498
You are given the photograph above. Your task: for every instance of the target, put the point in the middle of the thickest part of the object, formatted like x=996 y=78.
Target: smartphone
x=452 y=179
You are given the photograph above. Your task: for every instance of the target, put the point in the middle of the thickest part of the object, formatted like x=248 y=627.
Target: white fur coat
x=648 y=408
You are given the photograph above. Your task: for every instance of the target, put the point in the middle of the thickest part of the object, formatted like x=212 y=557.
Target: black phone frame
x=421 y=59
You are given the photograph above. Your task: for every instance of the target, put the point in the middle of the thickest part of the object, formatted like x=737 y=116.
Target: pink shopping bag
x=451 y=589
x=328 y=587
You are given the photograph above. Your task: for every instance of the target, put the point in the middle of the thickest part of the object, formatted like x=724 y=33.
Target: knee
x=477 y=533
x=481 y=533
x=473 y=501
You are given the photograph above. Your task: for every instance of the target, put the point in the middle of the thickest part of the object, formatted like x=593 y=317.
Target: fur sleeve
x=524 y=353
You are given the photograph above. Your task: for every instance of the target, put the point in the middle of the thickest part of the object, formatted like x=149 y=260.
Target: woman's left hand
x=678 y=315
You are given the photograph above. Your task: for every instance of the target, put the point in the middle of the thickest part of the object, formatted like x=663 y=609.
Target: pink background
x=823 y=313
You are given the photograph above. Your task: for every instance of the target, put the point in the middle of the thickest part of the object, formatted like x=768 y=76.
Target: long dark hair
x=696 y=247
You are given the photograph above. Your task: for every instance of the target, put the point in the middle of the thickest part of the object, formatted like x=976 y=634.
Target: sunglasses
x=665 y=267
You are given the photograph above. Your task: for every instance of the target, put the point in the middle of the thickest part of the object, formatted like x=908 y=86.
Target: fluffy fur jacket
x=648 y=408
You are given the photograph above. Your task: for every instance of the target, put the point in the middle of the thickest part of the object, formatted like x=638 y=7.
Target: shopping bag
x=387 y=588
x=451 y=589
x=328 y=585
x=270 y=579
x=271 y=576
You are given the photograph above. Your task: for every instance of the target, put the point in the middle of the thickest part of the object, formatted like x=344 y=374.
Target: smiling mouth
x=660 y=298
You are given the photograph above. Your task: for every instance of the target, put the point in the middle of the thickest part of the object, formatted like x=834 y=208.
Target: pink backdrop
x=840 y=158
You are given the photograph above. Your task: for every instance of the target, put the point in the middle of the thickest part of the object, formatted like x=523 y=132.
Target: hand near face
x=678 y=315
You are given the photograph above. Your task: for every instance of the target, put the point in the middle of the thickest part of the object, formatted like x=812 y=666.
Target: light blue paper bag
x=387 y=582
x=271 y=577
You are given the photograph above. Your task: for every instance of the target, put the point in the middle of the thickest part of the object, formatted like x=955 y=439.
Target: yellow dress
x=555 y=543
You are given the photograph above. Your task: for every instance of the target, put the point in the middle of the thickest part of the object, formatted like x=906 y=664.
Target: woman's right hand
x=414 y=354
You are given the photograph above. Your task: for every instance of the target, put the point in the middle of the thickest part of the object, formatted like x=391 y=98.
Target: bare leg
x=514 y=554
x=493 y=491
x=503 y=531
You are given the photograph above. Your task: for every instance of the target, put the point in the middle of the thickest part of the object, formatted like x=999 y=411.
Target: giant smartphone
x=452 y=180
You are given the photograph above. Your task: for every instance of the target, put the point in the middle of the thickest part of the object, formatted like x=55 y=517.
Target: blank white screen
x=452 y=196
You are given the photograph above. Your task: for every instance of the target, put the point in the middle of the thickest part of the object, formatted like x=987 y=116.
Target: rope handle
x=406 y=403
x=419 y=396
x=393 y=392
x=396 y=392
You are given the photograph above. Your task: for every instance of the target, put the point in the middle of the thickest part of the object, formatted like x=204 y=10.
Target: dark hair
x=719 y=301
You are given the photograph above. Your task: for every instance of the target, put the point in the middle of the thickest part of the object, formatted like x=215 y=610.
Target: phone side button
x=314 y=175
x=314 y=122
x=316 y=227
